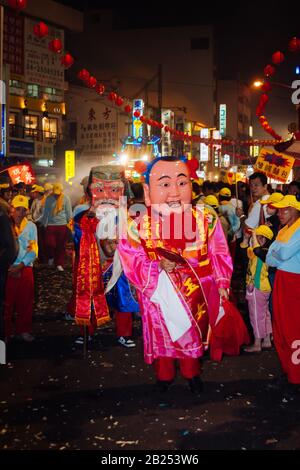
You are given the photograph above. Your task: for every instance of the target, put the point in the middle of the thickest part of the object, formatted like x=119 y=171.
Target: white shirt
x=254 y=215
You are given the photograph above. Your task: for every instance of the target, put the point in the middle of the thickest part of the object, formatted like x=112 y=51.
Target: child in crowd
x=259 y=289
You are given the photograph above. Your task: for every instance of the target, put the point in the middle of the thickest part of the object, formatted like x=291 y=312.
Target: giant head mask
x=168 y=185
x=106 y=185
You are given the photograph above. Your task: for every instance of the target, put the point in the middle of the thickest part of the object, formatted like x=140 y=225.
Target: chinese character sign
x=274 y=164
x=21 y=174
x=42 y=67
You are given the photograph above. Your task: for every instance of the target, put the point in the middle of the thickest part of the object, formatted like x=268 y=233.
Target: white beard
x=107 y=226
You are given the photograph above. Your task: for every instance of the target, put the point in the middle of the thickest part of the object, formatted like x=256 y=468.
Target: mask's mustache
x=103 y=202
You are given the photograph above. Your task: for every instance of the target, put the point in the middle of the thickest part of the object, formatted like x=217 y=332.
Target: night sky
x=247 y=33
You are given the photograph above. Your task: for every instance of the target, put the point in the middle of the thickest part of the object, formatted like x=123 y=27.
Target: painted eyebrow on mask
x=181 y=174
x=165 y=176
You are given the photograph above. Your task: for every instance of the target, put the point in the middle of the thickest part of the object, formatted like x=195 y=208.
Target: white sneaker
x=27 y=337
x=60 y=268
x=68 y=317
x=126 y=342
x=50 y=262
x=80 y=339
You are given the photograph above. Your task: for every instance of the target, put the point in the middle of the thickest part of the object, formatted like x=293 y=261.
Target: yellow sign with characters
x=274 y=164
x=69 y=164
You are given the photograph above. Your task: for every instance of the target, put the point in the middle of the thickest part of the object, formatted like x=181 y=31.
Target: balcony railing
x=39 y=135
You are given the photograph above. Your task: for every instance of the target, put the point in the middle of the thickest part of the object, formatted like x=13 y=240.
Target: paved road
x=53 y=398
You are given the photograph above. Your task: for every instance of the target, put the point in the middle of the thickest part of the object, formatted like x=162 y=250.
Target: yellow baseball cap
x=37 y=189
x=57 y=188
x=211 y=200
x=274 y=197
x=48 y=187
x=288 y=201
x=20 y=201
x=4 y=186
x=225 y=192
x=265 y=231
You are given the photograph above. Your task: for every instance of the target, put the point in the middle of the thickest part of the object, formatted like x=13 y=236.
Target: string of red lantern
x=269 y=71
x=41 y=30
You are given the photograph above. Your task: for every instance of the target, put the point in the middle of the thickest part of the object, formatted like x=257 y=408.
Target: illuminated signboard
x=137 y=125
x=222 y=119
x=69 y=164
x=216 y=148
x=204 y=151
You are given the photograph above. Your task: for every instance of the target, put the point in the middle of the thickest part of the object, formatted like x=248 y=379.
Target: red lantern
x=91 y=82
x=67 y=60
x=277 y=57
x=266 y=87
x=83 y=75
x=100 y=89
x=17 y=4
x=40 y=30
x=137 y=114
x=127 y=108
x=112 y=96
x=119 y=101
x=55 y=46
x=269 y=71
x=143 y=118
x=167 y=129
x=294 y=45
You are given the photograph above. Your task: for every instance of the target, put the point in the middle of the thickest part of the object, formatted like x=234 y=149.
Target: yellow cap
x=225 y=192
x=4 y=185
x=288 y=201
x=48 y=187
x=265 y=231
x=37 y=189
x=20 y=201
x=274 y=197
x=57 y=188
x=211 y=200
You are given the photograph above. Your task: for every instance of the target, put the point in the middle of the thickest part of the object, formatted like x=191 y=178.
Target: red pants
x=123 y=323
x=286 y=323
x=19 y=298
x=165 y=368
x=55 y=239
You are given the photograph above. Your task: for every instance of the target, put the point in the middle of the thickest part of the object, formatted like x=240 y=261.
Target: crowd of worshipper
x=261 y=225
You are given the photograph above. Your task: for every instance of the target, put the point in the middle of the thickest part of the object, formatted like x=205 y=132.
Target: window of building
x=13 y=124
x=33 y=90
x=31 y=126
x=15 y=83
x=50 y=128
x=199 y=43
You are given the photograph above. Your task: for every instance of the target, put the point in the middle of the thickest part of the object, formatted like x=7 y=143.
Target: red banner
x=90 y=297
x=21 y=174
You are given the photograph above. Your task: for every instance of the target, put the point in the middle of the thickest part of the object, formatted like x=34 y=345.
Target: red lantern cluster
x=67 y=60
x=269 y=71
x=55 y=46
x=17 y=4
x=40 y=30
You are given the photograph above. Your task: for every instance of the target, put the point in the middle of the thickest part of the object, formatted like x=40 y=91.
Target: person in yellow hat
x=37 y=194
x=56 y=216
x=284 y=254
x=213 y=202
x=19 y=293
x=273 y=219
x=228 y=211
x=258 y=289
